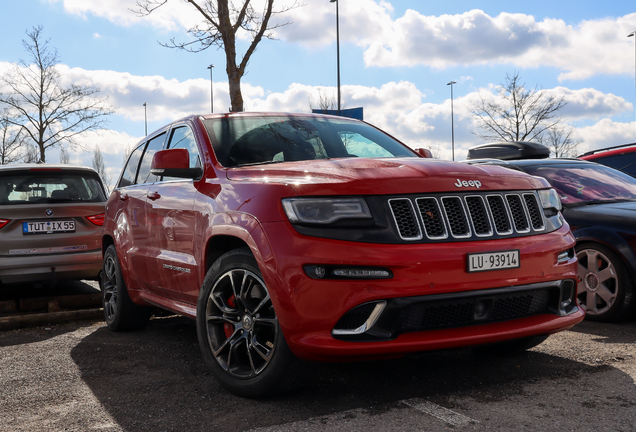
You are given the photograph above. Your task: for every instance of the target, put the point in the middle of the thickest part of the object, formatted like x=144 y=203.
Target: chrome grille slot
x=518 y=213
x=405 y=219
x=479 y=216
x=499 y=214
x=467 y=215
x=534 y=211
x=456 y=216
x=432 y=218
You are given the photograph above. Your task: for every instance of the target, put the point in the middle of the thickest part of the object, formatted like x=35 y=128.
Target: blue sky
x=396 y=58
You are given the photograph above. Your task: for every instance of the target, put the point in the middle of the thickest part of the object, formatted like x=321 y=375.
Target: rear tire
x=120 y=312
x=239 y=335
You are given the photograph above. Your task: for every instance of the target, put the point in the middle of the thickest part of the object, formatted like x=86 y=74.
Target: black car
x=599 y=204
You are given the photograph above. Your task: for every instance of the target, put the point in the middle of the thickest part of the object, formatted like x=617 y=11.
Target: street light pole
x=337 y=48
x=630 y=35
x=452 y=120
x=211 y=90
x=146 y=117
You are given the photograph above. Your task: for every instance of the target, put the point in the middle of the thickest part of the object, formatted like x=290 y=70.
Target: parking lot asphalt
x=80 y=376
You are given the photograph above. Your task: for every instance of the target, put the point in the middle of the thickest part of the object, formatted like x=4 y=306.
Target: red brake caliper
x=227 y=327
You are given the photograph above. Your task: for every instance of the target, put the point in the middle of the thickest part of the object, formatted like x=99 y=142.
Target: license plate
x=48 y=227
x=493 y=261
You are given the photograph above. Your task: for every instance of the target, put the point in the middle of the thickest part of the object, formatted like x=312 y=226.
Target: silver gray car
x=51 y=219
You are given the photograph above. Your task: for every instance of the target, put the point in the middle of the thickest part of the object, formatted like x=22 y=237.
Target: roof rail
x=606 y=148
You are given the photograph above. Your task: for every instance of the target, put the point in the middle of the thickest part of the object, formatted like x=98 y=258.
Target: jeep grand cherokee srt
x=294 y=237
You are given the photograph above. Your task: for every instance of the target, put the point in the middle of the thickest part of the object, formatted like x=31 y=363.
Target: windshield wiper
x=608 y=201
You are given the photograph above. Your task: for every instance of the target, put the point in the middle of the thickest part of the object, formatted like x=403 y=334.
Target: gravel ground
x=82 y=377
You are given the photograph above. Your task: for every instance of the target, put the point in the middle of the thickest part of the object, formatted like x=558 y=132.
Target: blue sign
x=354 y=113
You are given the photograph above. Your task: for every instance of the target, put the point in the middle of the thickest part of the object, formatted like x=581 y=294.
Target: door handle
x=153 y=195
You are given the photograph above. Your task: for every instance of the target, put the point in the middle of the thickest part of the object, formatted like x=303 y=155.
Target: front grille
x=464 y=216
x=469 y=311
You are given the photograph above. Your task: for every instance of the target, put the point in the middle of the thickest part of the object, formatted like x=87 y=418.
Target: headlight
x=325 y=210
x=550 y=200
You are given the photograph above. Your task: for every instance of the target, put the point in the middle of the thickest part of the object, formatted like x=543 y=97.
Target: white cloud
x=588 y=48
x=173 y=16
x=606 y=133
x=477 y=38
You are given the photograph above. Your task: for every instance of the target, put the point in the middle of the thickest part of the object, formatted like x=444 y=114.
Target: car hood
x=610 y=214
x=363 y=176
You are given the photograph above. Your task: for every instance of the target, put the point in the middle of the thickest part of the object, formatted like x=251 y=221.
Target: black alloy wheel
x=239 y=333
x=120 y=312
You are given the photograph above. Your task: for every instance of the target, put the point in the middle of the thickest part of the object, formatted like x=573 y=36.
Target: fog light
x=362 y=273
x=319 y=272
x=335 y=272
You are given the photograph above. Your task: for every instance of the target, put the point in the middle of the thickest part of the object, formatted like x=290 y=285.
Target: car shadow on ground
x=622 y=332
x=14 y=293
x=156 y=379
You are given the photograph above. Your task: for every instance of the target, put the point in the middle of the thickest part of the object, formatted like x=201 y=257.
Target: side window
x=182 y=137
x=154 y=145
x=129 y=172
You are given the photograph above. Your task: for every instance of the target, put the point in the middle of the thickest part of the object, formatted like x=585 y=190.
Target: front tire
x=120 y=312
x=238 y=330
x=606 y=289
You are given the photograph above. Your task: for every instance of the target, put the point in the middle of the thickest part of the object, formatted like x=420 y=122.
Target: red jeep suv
x=294 y=237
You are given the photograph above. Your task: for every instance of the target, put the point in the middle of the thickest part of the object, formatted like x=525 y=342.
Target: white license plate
x=493 y=261
x=48 y=227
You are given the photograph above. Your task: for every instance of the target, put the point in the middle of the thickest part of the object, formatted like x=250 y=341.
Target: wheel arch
x=107 y=240
x=248 y=232
x=612 y=241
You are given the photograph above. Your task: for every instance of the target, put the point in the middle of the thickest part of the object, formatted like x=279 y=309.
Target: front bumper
x=309 y=310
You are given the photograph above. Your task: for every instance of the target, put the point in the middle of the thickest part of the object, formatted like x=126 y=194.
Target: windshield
x=33 y=187
x=255 y=140
x=586 y=183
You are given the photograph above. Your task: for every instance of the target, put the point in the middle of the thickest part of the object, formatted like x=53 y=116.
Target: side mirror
x=174 y=163
x=425 y=153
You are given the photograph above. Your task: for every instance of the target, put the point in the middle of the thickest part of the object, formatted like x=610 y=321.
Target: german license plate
x=493 y=261
x=48 y=227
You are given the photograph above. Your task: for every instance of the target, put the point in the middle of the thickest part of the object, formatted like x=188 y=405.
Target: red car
x=621 y=157
x=295 y=237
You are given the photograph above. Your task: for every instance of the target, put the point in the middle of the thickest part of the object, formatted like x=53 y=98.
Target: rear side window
x=137 y=170
x=625 y=162
x=154 y=145
x=38 y=187
x=129 y=173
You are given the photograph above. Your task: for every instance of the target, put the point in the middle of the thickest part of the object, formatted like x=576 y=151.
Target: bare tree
x=436 y=151
x=327 y=103
x=222 y=21
x=64 y=157
x=31 y=153
x=10 y=142
x=518 y=114
x=98 y=164
x=560 y=141
x=48 y=113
